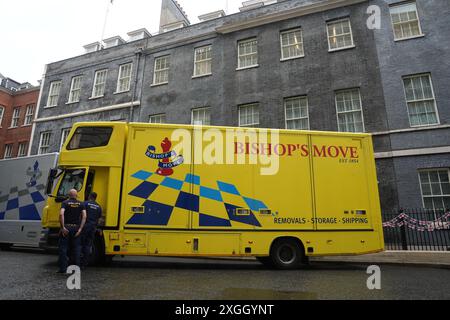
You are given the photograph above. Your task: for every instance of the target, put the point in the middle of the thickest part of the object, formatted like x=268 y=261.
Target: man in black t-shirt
x=72 y=219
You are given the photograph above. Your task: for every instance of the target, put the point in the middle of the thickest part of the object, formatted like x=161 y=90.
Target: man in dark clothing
x=94 y=213
x=72 y=219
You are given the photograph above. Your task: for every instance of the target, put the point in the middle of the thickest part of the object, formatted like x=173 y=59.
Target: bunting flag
x=403 y=219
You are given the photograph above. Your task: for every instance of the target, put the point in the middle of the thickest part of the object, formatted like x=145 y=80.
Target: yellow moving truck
x=173 y=190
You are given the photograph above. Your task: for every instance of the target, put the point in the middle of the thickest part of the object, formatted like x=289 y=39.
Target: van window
x=73 y=179
x=90 y=137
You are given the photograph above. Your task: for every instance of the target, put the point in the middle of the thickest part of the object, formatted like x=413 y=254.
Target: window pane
x=90 y=137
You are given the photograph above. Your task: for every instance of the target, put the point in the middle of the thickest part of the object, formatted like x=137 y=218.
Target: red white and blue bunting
x=403 y=219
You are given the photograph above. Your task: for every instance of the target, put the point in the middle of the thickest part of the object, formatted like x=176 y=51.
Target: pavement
x=419 y=258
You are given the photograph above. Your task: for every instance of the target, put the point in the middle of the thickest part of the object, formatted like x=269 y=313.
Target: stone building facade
x=298 y=64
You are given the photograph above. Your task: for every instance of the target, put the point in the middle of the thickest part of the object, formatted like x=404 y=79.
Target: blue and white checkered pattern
x=159 y=214
x=22 y=204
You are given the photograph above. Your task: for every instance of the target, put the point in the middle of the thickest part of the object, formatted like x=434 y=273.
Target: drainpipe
x=133 y=98
x=36 y=112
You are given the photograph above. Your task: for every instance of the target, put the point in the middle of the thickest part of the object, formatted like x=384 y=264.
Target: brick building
x=296 y=64
x=17 y=111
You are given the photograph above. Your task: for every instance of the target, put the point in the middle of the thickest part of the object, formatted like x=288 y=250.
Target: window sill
x=410 y=38
x=49 y=107
x=73 y=102
x=95 y=98
x=292 y=58
x=202 y=76
x=120 y=92
x=249 y=67
x=9 y=128
x=159 y=84
x=426 y=125
x=27 y=125
x=343 y=48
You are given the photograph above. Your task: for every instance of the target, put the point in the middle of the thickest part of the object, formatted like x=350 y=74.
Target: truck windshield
x=90 y=137
x=73 y=179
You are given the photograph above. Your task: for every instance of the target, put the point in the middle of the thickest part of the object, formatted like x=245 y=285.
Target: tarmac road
x=31 y=275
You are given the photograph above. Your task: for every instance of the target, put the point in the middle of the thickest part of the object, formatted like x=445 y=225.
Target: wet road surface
x=28 y=274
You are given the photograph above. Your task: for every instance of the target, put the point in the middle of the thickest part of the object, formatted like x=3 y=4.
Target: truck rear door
x=341 y=186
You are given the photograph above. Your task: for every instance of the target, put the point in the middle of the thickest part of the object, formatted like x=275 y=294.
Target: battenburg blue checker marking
x=210 y=194
x=142 y=175
x=144 y=190
x=2 y=215
x=193 y=179
x=172 y=183
x=156 y=214
x=228 y=188
x=210 y=221
x=12 y=204
x=29 y=212
x=188 y=201
x=254 y=205
x=250 y=219
x=37 y=197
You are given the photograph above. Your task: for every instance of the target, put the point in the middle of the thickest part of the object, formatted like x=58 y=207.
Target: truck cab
x=90 y=160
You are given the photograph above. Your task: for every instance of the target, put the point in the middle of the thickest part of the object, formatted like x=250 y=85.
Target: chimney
x=138 y=35
x=212 y=15
x=252 y=4
x=92 y=47
x=113 y=41
x=172 y=16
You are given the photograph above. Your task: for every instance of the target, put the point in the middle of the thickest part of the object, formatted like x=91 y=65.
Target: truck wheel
x=286 y=254
x=98 y=256
x=98 y=252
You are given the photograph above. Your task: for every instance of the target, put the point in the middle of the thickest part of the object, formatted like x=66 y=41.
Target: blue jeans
x=87 y=239
x=75 y=248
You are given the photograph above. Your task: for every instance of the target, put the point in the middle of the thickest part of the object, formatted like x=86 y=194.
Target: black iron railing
x=417 y=229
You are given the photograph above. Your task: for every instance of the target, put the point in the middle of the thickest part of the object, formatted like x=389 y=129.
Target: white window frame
x=15 y=118
x=23 y=149
x=330 y=36
x=207 y=61
x=243 y=42
x=162 y=70
x=99 y=84
x=282 y=46
x=122 y=78
x=429 y=180
x=299 y=118
x=29 y=115
x=48 y=136
x=158 y=117
x=2 y=113
x=422 y=100
x=404 y=4
x=352 y=111
x=75 y=92
x=206 y=111
x=53 y=94
x=249 y=125
x=64 y=135
x=8 y=151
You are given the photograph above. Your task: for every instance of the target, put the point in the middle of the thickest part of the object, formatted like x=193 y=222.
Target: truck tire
x=98 y=256
x=286 y=254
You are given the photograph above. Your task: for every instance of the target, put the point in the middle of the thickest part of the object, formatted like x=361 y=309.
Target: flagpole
x=110 y=3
